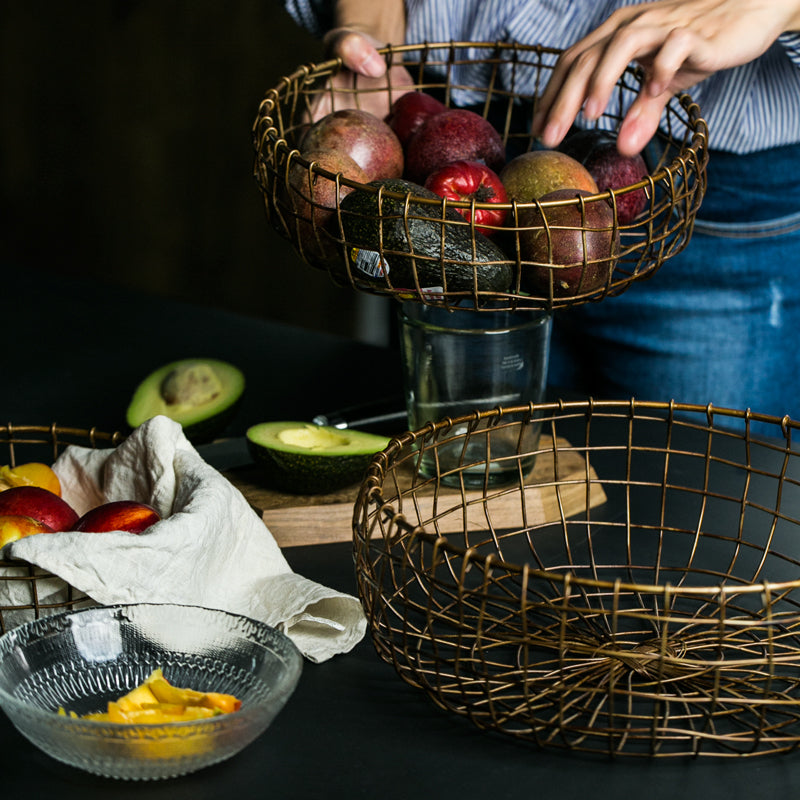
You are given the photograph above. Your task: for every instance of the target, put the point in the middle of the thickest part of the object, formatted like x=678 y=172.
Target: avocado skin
x=307 y=473
x=363 y=229
x=207 y=430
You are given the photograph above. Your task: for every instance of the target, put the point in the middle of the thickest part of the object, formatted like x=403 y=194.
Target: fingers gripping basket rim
x=28 y=592
x=675 y=186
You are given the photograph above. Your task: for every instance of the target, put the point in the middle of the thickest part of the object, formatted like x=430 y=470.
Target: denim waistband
x=758 y=229
x=753 y=194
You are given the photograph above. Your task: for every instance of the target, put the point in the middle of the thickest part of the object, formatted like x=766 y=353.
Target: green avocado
x=380 y=238
x=302 y=458
x=202 y=394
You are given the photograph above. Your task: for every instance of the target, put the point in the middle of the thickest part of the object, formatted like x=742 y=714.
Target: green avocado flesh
x=201 y=394
x=302 y=458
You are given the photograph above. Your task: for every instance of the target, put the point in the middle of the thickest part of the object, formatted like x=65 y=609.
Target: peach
x=118 y=515
x=17 y=526
x=41 y=504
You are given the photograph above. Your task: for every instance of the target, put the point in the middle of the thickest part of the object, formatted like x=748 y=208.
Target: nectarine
x=41 y=504
x=17 y=526
x=118 y=515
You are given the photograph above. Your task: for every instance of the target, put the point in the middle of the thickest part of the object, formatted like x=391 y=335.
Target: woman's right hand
x=677 y=42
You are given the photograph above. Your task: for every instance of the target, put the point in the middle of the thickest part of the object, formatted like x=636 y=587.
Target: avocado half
x=202 y=394
x=303 y=458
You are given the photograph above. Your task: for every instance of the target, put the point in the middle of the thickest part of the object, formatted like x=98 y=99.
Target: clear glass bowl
x=80 y=660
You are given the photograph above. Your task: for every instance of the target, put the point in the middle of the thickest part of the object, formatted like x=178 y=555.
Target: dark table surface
x=353 y=728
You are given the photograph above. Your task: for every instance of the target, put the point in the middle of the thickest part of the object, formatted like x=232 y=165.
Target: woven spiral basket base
x=662 y=622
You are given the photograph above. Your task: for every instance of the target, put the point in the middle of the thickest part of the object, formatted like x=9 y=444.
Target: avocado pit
x=202 y=394
x=191 y=384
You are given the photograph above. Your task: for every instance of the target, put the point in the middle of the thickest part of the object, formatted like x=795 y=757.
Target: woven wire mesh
x=640 y=597
x=303 y=200
x=26 y=591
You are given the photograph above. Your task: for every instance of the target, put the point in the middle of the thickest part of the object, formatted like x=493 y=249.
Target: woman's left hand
x=364 y=75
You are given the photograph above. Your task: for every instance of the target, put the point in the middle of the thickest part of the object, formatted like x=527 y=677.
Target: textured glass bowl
x=82 y=659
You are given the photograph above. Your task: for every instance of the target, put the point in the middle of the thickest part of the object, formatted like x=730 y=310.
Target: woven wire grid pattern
x=302 y=199
x=26 y=591
x=662 y=622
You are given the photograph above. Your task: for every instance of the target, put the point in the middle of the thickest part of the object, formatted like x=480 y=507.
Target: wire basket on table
x=660 y=619
x=304 y=202
x=26 y=591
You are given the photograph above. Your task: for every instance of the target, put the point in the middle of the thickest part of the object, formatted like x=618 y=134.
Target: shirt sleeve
x=316 y=16
x=791 y=44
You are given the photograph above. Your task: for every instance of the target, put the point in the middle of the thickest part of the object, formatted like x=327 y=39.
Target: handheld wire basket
x=660 y=618
x=304 y=201
x=26 y=591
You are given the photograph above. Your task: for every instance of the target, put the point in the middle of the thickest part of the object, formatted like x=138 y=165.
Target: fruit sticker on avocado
x=370 y=262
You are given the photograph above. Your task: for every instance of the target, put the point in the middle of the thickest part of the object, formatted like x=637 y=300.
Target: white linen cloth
x=209 y=549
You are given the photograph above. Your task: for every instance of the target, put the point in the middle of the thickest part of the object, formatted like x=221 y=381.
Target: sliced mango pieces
x=157 y=701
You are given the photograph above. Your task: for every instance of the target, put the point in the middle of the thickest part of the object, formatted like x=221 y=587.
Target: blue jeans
x=720 y=322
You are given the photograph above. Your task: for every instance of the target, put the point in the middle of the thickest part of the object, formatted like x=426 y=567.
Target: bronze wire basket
x=664 y=621
x=27 y=592
x=675 y=186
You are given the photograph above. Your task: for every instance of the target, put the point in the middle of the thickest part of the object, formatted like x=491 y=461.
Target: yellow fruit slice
x=226 y=703
x=137 y=698
x=157 y=701
x=167 y=693
x=31 y=474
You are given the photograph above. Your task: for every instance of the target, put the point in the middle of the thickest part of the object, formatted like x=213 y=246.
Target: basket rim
x=9 y=436
x=696 y=149
x=371 y=494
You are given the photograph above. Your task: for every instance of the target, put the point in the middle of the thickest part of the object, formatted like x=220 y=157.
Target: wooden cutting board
x=299 y=520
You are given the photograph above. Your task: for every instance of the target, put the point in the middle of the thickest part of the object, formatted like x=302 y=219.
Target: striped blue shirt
x=748 y=108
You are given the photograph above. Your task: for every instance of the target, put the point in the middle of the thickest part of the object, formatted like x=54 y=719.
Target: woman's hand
x=677 y=42
x=360 y=28
x=365 y=71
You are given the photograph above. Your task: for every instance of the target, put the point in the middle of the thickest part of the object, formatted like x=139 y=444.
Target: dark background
x=126 y=154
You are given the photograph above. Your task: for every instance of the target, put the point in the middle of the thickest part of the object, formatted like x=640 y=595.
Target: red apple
x=453 y=135
x=41 y=504
x=17 y=526
x=410 y=111
x=369 y=141
x=118 y=515
x=468 y=180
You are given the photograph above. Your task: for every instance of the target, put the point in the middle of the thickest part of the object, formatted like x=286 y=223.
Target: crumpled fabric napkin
x=210 y=548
